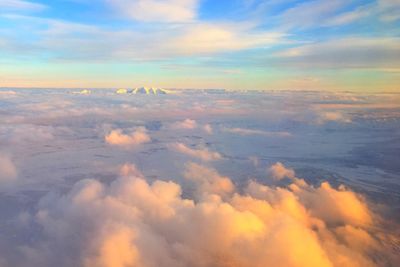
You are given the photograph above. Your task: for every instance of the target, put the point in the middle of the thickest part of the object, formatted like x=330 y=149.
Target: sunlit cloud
x=185 y=124
x=278 y=171
x=201 y=153
x=300 y=225
x=189 y=124
x=333 y=116
x=118 y=138
x=159 y=11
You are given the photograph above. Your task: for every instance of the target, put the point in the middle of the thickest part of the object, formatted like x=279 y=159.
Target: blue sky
x=235 y=44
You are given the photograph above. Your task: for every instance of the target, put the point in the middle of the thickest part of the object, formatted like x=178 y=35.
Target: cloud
x=345 y=52
x=137 y=137
x=7 y=93
x=245 y=131
x=19 y=5
x=185 y=124
x=128 y=169
x=189 y=124
x=332 y=116
x=278 y=171
x=71 y=41
x=310 y=13
x=132 y=222
x=27 y=133
x=157 y=11
x=208 y=128
x=203 y=153
x=389 y=10
x=8 y=171
x=351 y=16
x=208 y=180
x=207 y=38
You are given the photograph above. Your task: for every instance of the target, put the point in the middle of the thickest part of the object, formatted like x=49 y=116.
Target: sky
x=335 y=45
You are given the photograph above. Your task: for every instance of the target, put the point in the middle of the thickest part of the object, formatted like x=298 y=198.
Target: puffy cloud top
x=132 y=222
x=137 y=137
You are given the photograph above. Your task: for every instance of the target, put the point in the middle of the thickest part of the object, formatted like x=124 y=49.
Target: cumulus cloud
x=8 y=171
x=132 y=222
x=278 y=171
x=189 y=124
x=137 y=137
x=202 y=153
x=245 y=131
x=130 y=170
x=185 y=124
x=208 y=180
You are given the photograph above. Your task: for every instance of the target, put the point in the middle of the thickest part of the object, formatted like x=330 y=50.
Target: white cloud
x=350 y=16
x=137 y=137
x=345 y=52
x=74 y=41
x=17 y=5
x=310 y=13
x=156 y=10
x=207 y=38
x=202 y=153
x=245 y=131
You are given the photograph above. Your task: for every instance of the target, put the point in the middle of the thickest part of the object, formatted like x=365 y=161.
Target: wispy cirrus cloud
x=157 y=11
x=309 y=13
x=82 y=42
x=20 y=5
x=345 y=52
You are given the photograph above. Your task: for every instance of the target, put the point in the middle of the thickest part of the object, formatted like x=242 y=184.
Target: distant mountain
x=145 y=91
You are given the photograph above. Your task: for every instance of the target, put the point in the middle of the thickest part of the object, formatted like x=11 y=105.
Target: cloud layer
x=132 y=222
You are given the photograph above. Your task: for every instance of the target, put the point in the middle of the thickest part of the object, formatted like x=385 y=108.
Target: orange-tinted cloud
x=202 y=153
x=132 y=222
x=137 y=137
